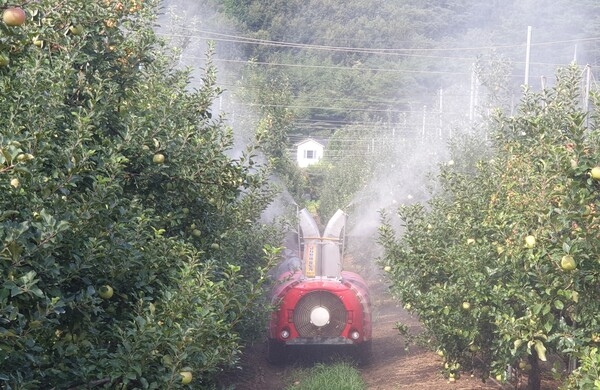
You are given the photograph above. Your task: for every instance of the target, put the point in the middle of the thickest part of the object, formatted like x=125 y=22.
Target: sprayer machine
x=316 y=302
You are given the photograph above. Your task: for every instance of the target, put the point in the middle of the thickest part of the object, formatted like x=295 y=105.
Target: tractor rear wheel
x=276 y=352
x=363 y=353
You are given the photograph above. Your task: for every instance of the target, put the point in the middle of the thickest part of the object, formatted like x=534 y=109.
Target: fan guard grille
x=316 y=299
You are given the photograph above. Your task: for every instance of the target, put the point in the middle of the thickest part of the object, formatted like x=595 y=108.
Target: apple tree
x=129 y=245
x=501 y=265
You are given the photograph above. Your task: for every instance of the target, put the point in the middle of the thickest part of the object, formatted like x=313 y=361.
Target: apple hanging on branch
x=568 y=263
x=13 y=16
x=186 y=376
x=530 y=242
x=106 y=292
x=4 y=60
x=76 y=29
x=158 y=158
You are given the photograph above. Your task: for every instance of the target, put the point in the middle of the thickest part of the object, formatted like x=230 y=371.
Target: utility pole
x=423 y=127
x=527 y=55
x=441 y=110
x=586 y=102
x=474 y=92
x=472 y=97
x=586 y=96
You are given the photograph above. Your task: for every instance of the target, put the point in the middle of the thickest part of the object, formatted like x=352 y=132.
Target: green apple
x=567 y=263
x=595 y=173
x=105 y=292
x=466 y=305
x=529 y=241
x=4 y=60
x=186 y=376
x=76 y=30
x=25 y=157
x=158 y=158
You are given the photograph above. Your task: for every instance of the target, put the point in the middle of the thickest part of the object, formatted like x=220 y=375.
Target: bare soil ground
x=393 y=367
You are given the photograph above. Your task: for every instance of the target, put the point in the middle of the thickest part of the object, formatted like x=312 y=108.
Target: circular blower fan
x=320 y=313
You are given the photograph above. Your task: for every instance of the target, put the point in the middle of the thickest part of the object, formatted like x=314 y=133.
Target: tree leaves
x=470 y=241
x=82 y=117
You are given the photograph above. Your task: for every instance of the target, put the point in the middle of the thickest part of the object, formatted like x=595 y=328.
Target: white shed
x=309 y=152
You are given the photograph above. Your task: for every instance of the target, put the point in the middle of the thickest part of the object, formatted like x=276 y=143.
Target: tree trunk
x=534 y=381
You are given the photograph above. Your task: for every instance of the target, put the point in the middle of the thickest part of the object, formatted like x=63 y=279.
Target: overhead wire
x=248 y=40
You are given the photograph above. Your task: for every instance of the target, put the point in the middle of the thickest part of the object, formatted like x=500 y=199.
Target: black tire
x=363 y=353
x=276 y=352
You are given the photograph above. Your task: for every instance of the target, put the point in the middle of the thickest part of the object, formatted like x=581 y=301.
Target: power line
x=248 y=40
x=364 y=69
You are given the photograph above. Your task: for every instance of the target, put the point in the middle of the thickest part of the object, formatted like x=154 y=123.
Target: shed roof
x=310 y=140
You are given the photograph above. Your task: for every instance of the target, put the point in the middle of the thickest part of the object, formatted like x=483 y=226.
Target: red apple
x=13 y=16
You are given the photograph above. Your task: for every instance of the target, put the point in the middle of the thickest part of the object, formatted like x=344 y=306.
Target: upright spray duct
x=322 y=254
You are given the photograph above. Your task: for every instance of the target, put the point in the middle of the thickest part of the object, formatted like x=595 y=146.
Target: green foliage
x=319 y=67
x=344 y=59
x=86 y=202
x=587 y=375
x=468 y=244
x=342 y=376
x=346 y=167
x=270 y=91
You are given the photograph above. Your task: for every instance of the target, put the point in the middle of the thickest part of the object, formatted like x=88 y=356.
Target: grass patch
x=337 y=376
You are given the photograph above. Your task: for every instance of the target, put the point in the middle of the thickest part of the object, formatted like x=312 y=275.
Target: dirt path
x=392 y=366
